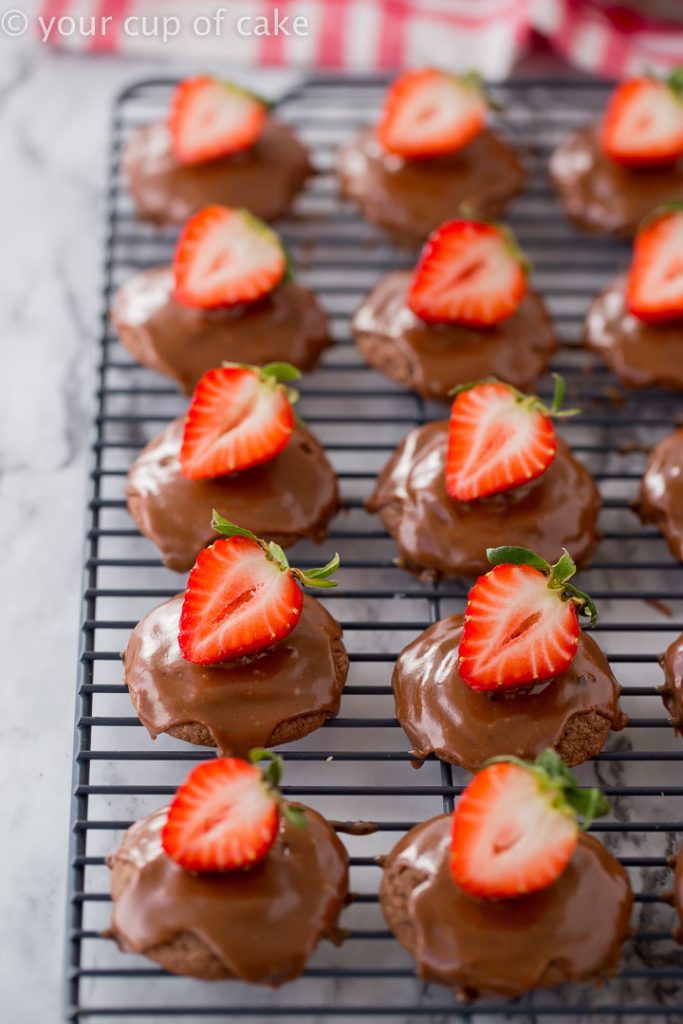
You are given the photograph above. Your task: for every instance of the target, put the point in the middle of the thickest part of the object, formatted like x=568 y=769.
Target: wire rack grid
x=359 y=766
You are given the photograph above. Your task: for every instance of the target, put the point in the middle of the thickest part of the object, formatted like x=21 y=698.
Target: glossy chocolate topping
x=640 y=354
x=446 y=537
x=678 y=897
x=661 y=491
x=262 y=923
x=241 y=702
x=290 y=497
x=183 y=343
x=570 y=931
x=672 y=691
x=409 y=198
x=600 y=195
x=264 y=178
x=432 y=358
x=440 y=714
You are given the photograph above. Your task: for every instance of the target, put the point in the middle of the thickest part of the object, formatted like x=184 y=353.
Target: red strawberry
x=239 y=416
x=515 y=827
x=210 y=119
x=242 y=596
x=521 y=621
x=428 y=113
x=654 y=291
x=226 y=257
x=499 y=438
x=469 y=272
x=643 y=123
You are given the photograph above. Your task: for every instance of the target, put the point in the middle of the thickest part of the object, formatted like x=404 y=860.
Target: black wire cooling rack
x=358 y=767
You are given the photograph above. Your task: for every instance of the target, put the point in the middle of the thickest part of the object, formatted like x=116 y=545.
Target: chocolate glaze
x=442 y=715
x=678 y=897
x=183 y=343
x=409 y=198
x=442 y=536
x=600 y=195
x=432 y=358
x=640 y=354
x=672 y=691
x=661 y=491
x=264 y=178
x=292 y=496
x=241 y=702
x=570 y=931
x=262 y=924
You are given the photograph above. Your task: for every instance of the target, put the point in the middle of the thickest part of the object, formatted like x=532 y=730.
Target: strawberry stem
x=531 y=402
x=307 y=577
x=585 y=805
x=272 y=774
x=558 y=575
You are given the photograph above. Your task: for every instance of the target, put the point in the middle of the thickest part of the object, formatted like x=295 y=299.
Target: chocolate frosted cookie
x=570 y=931
x=606 y=197
x=292 y=496
x=672 y=691
x=641 y=354
x=432 y=358
x=660 y=500
x=572 y=713
x=411 y=197
x=215 y=925
x=440 y=536
x=263 y=178
x=274 y=696
x=183 y=342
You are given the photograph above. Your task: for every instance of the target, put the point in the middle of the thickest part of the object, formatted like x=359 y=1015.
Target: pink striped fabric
x=364 y=35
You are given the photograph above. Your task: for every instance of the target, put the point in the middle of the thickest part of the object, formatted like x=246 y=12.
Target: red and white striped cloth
x=365 y=35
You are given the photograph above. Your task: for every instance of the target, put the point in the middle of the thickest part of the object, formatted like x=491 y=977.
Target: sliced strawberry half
x=239 y=417
x=643 y=123
x=429 y=113
x=499 y=438
x=226 y=257
x=469 y=272
x=226 y=814
x=521 y=621
x=654 y=290
x=516 y=826
x=209 y=119
x=242 y=596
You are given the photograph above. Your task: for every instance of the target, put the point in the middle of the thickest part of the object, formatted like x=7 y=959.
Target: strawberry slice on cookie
x=429 y=113
x=226 y=257
x=226 y=814
x=242 y=596
x=499 y=438
x=469 y=272
x=521 y=622
x=643 y=123
x=209 y=119
x=239 y=417
x=654 y=289
x=517 y=825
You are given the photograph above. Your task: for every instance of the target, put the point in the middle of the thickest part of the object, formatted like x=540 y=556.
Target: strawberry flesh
x=508 y=839
x=238 y=601
x=643 y=123
x=654 y=290
x=226 y=257
x=468 y=273
x=210 y=119
x=222 y=818
x=496 y=441
x=517 y=630
x=237 y=419
x=428 y=113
